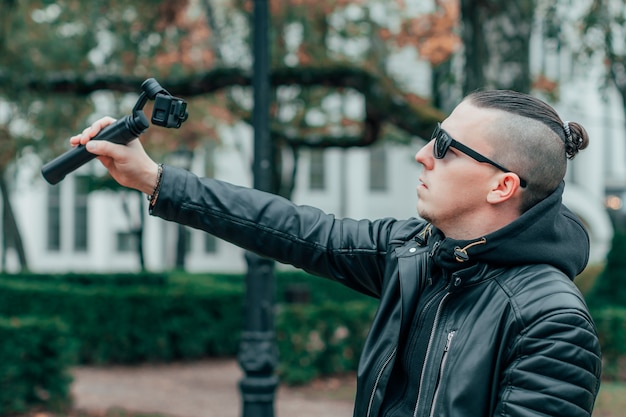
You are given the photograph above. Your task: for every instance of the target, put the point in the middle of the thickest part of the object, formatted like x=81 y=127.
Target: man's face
x=452 y=193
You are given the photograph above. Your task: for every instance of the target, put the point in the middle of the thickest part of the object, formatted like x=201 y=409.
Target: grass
x=611 y=401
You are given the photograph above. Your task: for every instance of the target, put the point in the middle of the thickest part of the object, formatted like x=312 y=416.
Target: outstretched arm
x=261 y=222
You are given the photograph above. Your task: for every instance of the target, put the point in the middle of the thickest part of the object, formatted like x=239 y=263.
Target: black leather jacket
x=489 y=327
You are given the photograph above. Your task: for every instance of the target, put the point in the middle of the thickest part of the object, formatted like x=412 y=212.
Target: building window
x=378 y=168
x=126 y=242
x=317 y=178
x=210 y=243
x=80 y=214
x=53 y=238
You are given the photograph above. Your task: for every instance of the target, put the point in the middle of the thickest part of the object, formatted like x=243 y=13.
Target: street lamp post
x=258 y=355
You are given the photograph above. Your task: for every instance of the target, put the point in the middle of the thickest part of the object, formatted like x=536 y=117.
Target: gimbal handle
x=121 y=132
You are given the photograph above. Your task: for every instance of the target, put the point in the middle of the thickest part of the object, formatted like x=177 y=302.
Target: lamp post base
x=258 y=352
x=258 y=394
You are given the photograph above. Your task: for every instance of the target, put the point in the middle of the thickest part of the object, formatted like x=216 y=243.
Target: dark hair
x=535 y=143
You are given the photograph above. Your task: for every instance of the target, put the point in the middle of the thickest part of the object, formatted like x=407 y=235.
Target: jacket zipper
x=441 y=369
x=380 y=373
x=428 y=348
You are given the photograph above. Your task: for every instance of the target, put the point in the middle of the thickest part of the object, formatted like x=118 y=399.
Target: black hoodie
x=548 y=233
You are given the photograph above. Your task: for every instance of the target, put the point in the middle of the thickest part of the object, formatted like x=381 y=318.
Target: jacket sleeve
x=346 y=250
x=554 y=370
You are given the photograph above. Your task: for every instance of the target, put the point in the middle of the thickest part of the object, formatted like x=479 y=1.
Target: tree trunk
x=11 y=232
x=496 y=36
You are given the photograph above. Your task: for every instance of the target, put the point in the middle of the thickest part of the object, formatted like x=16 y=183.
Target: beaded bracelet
x=155 y=193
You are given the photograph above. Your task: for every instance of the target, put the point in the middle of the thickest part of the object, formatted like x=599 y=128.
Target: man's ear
x=505 y=187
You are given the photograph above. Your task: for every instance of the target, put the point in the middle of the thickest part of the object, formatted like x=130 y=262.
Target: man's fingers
x=90 y=132
x=100 y=124
x=115 y=151
x=75 y=140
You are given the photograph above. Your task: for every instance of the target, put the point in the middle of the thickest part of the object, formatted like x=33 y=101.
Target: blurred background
x=356 y=89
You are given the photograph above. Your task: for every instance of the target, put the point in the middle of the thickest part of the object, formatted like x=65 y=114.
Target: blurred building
x=67 y=229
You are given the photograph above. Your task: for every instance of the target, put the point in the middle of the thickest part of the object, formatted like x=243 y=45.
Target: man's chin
x=423 y=214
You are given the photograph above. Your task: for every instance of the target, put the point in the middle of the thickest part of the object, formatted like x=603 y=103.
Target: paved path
x=199 y=389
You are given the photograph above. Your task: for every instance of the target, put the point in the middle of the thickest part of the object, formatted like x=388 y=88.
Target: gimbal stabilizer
x=168 y=111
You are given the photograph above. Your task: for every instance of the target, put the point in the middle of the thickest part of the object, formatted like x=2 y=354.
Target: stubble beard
x=424 y=214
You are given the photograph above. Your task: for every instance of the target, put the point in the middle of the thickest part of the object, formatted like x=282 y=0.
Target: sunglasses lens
x=442 y=143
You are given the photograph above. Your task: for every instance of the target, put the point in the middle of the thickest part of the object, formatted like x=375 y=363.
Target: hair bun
x=576 y=138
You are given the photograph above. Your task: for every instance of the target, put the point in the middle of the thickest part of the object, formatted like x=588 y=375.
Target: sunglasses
x=443 y=142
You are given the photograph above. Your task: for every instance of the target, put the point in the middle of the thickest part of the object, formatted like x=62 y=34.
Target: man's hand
x=128 y=164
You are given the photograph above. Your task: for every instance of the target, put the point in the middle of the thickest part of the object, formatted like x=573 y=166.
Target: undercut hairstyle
x=531 y=140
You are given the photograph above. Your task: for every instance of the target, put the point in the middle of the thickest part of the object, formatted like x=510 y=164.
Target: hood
x=548 y=233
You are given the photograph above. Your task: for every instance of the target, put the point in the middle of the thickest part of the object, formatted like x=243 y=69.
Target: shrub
x=606 y=300
x=183 y=316
x=611 y=323
x=133 y=324
x=117 y=279
x=35 y=355
x=317 y=340
x=609 y=289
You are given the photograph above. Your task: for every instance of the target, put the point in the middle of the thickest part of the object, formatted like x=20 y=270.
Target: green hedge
x=320 y=290
x=35 y=355
x=316 y=340
x=185 y=316
x=117 y=279
x=609 y=289
x=611 y=323
x=607 y=301
x=132 y=324
x=159 y=318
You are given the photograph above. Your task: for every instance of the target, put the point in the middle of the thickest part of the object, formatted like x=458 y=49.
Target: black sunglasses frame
x=443 y=142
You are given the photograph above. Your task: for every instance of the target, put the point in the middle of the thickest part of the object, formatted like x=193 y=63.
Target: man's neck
x=479 y=226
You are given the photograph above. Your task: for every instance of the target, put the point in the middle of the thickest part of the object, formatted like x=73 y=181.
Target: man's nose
x=425 y=154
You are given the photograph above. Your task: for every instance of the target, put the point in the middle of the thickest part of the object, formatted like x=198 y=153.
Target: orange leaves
x=546 y=85
x=190 y=47
x=304 y=58
x=172 y=13
x=434 y=34
x=280 y=7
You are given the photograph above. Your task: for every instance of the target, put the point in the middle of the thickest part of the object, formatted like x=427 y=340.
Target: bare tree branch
x=384 y=102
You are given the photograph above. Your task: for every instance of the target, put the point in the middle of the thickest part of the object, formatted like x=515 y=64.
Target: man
x=478 y=313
